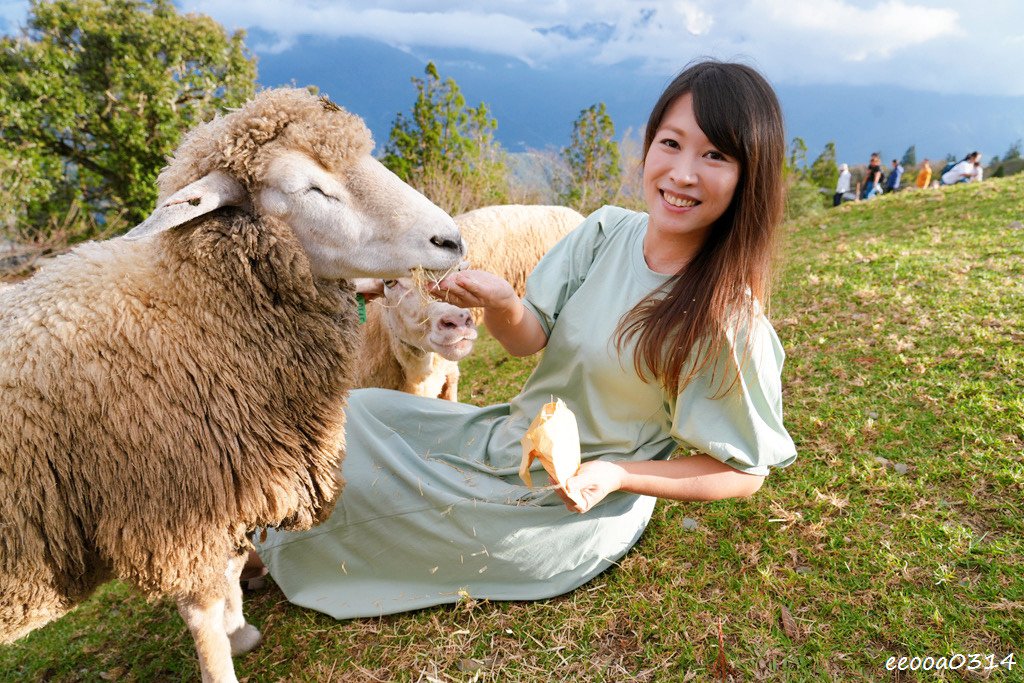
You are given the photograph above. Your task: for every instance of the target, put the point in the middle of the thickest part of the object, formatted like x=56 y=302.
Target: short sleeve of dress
x=743 y=428
x=564 y=267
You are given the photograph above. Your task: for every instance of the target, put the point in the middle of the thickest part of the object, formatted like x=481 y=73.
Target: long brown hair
x=682 y=327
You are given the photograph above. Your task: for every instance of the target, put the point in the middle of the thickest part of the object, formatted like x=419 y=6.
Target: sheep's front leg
x=244 y=637
x=204 y=617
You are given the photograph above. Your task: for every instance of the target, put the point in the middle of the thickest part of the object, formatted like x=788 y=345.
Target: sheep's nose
x=451 y=321
x=448 y=244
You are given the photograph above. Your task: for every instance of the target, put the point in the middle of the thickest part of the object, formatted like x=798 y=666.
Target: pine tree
x=909 y=160
x=1013 y=152
x=593 y=161
x=823 y=172
x=797 y=159
x=447 y=150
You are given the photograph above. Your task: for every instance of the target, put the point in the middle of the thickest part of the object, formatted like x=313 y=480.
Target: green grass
x=898 y=531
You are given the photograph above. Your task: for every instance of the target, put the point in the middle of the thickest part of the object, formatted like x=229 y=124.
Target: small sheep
x=166 y=393
x=413 y=343
x=509 y=240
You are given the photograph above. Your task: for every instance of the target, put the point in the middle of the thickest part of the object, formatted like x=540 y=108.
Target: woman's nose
x=682 y=173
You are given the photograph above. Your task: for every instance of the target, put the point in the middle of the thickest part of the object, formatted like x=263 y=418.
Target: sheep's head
x=306 y=161
x=427 y=324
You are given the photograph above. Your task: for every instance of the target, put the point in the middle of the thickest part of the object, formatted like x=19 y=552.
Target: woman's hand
x=476 y=289
x=594 y=480
x=505 y=315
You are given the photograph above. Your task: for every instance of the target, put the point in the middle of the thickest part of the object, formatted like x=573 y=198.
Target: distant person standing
x=842 y=185
x=924 y=175
x=873 y=179
x=893 y=182
x=962 y=171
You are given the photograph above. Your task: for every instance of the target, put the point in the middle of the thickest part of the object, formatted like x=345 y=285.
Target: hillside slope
x=898 y=531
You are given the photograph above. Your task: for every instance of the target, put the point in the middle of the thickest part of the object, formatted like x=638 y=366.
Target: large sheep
x=413 y=343
x=166 y=393
x=510 y=239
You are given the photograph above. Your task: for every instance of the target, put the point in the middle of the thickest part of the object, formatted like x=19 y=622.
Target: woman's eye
x=717 y=156
x=669 y=142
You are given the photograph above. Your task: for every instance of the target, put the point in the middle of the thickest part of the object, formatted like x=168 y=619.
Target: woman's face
x=687 y=182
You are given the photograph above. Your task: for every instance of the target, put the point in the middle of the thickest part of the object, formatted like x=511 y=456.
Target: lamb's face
x=428 y=324
x=362 y=221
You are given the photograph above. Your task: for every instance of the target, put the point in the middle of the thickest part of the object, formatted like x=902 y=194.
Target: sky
x=946 y=46
x=943 y=47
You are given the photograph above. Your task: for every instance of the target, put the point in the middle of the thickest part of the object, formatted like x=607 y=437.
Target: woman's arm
x=698 y=477
x=507 y=319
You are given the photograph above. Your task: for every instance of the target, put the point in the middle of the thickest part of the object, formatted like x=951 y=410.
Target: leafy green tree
x=909 y=159
x=592 y=160
x=824 y=172
x=96 y=93
x=447 y=150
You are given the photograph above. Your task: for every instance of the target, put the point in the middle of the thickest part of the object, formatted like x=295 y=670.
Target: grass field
x=898 y=531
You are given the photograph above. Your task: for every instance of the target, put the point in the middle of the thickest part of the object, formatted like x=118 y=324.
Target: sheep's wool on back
x=105 y=361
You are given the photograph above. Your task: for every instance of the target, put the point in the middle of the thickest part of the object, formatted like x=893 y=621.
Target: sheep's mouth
x=457 y=349
x=422 y=277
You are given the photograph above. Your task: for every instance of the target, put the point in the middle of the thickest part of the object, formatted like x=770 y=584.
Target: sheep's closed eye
x=317 y=190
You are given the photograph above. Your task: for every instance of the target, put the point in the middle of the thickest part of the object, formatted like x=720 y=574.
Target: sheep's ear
x=195 y=199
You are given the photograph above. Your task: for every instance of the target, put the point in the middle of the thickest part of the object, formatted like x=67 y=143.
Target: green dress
x=433 y=507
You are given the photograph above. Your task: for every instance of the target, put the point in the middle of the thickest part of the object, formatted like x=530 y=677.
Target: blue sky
x=882 y=63
x=945 y=46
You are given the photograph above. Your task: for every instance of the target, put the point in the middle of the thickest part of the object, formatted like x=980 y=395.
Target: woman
x=654 y=337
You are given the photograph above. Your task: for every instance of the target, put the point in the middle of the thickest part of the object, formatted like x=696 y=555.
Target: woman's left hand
x=594 y=480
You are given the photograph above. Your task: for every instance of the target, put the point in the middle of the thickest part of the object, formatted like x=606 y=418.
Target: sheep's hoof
x=244 y=640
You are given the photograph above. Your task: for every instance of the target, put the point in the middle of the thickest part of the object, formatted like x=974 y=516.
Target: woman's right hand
x=476 y=289
x=505 y=316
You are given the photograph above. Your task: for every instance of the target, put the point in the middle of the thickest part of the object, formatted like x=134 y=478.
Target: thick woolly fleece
x=160 y=398
x=510 y=239
x=244 y=142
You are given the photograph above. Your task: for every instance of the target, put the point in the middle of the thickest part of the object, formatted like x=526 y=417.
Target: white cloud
x=860 y=33
x=941 y=45
x=451 y=27
x=697 y=21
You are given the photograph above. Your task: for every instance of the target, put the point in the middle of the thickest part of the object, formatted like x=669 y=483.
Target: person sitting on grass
x=962 y=171
x=653 y=333
x=924 y=175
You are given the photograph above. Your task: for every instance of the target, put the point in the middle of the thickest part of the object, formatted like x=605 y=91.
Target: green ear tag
x=361 y=307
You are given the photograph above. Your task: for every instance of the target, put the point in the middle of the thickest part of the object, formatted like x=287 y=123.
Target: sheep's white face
x=428 y=324
x=365 y=223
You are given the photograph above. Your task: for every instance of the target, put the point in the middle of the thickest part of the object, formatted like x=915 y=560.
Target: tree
x=1014 y=152
x=592 y=160
x=909 y=160
x=446 y=150
x=796 y=162
x=823 y=172
x=96 y=93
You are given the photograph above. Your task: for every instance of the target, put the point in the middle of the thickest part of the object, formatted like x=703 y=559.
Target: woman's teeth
x=679 y=201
